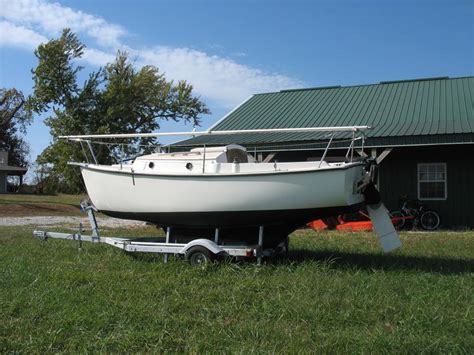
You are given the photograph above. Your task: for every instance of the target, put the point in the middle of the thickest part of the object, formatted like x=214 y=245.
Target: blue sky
x=232 y=49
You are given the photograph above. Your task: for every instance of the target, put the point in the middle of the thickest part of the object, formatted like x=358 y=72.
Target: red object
x=318 y=225
x=351 y=226
x=355 y=226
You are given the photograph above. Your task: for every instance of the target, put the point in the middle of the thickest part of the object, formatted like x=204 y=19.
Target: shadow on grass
x=351 y=261
x=41 y=206
x=366 y=261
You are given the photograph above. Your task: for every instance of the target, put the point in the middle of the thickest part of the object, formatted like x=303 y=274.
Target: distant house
x=423 y=130
x=7 y=170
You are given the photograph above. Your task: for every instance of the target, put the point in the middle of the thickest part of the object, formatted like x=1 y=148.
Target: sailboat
x=225 y=188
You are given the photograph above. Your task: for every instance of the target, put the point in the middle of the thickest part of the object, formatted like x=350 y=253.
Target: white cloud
x=97 y=57
x=19 y=36
x=214 y=77
x=53 y=17
x=239 y=54
x=26 y=23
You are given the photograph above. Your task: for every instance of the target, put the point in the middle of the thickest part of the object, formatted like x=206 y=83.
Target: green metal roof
x=405 y=112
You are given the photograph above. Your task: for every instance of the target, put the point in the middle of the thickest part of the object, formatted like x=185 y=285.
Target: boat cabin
x=193 y=160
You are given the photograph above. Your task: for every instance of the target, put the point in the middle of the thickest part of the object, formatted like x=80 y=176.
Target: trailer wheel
x=198 y=256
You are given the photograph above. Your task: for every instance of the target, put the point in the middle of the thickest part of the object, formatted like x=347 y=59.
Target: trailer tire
x=199 y=256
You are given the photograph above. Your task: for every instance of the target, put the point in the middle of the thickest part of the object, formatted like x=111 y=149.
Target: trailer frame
x=207 y=249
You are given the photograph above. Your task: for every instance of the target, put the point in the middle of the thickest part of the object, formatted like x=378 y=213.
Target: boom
x=230 y=132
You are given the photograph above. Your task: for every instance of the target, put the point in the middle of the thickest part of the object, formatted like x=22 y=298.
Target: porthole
x=151 y=165
x=189 y=166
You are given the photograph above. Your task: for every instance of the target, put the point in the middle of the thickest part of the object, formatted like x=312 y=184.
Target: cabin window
x=432 y=182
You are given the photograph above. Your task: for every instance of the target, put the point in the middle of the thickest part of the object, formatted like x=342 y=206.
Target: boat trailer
x=197 y=252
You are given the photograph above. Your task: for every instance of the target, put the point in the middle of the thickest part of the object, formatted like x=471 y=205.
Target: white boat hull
x=221 y=201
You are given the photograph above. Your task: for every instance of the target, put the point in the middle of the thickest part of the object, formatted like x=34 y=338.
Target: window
x=432 y=181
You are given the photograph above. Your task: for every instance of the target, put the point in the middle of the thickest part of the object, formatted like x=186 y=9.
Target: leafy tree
x=43 y=181
x=116 y=99
x=15 y=116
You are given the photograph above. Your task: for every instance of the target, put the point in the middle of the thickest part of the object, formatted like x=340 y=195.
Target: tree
x=15 y=117
x=43 y=181
x=116 y=99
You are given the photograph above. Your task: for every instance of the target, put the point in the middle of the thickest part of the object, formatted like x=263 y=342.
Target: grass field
x=18 y=205
x=335 y=293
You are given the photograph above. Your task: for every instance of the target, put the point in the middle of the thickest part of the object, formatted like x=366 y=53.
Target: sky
x=232 y=49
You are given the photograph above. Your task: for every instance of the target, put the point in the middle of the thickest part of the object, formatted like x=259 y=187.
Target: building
x=423 y=133
x=7 y=170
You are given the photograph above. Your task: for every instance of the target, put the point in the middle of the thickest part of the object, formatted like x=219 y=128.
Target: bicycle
x=412 y=211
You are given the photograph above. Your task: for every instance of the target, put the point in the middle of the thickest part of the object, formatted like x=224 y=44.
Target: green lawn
x=18 y=205
x=32 y=198
x=335 y=293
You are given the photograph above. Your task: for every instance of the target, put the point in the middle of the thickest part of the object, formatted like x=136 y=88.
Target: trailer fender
x=206 y=243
